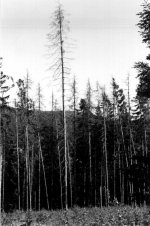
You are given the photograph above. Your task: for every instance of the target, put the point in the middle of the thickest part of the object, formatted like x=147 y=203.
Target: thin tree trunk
x=35 y=200
x=90 y=159
x=123 y=165
x=3 y=176
x=63 y=105
x=52 y=158
x=84 y=184
x=27 y=144
x=114 y=146
x=101 y=202
x=60 y=170
x=70 y=175
x=66 y=167
x=95 y=191
x=114 y=174
x=24 y=189
x=120 y=171
x=74 y=136
x=122 y=182
x=106 y=161
x=1 y=153
x=27 y=168
x=39 y=200
x=43 y=171
x=18 y=161
x=31 y=167
x=101 y=188
x=30 y=201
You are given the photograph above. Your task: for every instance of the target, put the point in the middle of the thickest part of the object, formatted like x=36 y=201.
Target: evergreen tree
x=3 y=104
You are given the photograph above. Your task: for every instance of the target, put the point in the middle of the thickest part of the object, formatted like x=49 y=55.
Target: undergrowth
x=118 y=215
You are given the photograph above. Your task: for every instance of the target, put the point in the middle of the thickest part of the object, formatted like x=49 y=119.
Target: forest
x=91 y=151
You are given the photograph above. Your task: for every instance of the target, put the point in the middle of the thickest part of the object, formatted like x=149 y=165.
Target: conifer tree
x=3 y=103
x=57 y=38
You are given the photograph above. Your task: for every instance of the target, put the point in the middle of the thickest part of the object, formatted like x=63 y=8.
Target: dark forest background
x=107 y=143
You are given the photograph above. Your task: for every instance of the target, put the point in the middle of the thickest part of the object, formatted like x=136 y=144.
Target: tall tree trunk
x=90 y=160
x=70 y=175
x=18 y=160
x=120 y=172
x=101 y=187
x=31 y=176
x=39 y=192
x=57 y=38
x=63 y=105
x=95 y=184
x=74 y=137
x=60 y=168
x=47 y=199
x=27 y=169
x=114 y=146
x=3 y=178
x=106 y=161
x=1 y=153
x=84 y=188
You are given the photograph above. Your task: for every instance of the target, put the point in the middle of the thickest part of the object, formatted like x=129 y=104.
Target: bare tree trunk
x=24 y=189
x=90 y=159
x=74 y=137
x=60 y=170
x=114 y=175
x=106 y=162
x=122 y=181
x=27 y=168
x=114 y=146
x=3 y=178
x=84 y=184
x=101 y=188
x=63 y=105
x=52 y=158
x=31 y=167
x=120 y=172
x=57 y=37
x=1 y=153
x=18 y=161
x=70 y=175
x=101 y=202
x=122 y=163
x=39 y=202
x=30 y=193
x=95 y=176
x=35 y=200
x=43 y=171
x=66 y=166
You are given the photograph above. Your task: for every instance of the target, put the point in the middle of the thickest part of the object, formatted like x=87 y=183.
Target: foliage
x=144 y=23
x=106 y=155
x=119 y=215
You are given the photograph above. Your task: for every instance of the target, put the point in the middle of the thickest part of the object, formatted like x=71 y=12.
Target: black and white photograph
x=74 y=112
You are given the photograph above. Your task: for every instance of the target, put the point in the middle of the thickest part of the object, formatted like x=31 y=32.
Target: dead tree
x=57 y=38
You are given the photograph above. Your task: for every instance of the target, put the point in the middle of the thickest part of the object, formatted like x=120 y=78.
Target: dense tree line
x=94 y=154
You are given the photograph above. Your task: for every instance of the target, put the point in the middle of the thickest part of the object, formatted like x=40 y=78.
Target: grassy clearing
x=83 y=216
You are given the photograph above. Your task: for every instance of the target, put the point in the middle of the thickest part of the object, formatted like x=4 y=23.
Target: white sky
x=105 y=32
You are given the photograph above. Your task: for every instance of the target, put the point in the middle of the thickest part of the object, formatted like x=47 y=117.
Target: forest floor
x=119 y=215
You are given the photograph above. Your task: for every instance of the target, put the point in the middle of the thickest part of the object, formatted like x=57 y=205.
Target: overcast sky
x=106 y=38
